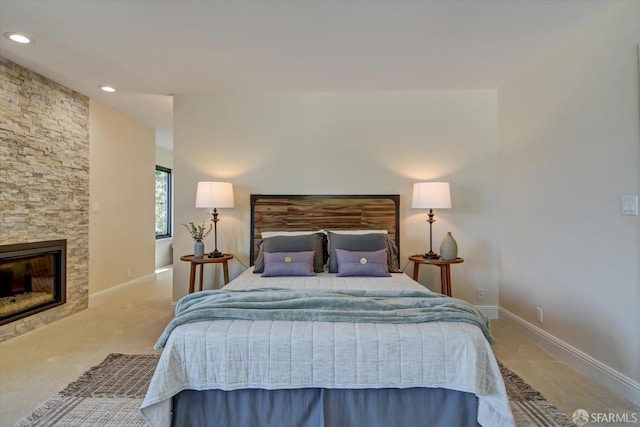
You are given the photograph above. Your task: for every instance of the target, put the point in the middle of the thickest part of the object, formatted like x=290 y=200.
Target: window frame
x=169 y=202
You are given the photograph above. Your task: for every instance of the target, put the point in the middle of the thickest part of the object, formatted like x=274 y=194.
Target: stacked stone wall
x=44 y=178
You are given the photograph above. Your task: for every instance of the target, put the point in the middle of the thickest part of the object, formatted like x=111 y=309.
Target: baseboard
x=99 y=297
x=491 y=311
x=608 y=377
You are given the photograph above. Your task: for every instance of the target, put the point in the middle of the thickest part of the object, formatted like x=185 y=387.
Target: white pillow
x=359 y=231
x=266 y=234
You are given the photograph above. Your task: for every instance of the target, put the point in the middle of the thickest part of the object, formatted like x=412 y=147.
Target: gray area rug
x=110 y=395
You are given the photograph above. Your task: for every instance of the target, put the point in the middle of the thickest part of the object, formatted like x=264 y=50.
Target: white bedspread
x=237 y=354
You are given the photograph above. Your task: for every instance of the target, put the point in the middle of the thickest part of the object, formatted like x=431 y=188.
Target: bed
x=315 y=348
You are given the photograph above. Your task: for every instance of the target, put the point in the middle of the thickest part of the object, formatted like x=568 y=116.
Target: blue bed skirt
x=316 y=407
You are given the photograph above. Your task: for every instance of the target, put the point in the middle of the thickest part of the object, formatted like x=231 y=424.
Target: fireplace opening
x=32 y=278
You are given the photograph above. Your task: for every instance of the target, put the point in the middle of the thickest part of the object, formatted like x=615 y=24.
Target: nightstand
x=195 y=262
x=445 y=270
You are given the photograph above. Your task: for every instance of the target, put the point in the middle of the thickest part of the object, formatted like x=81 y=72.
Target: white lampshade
x=431 y=195
x=214 y=195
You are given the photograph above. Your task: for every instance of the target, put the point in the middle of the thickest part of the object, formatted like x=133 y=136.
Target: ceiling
x=150 y=50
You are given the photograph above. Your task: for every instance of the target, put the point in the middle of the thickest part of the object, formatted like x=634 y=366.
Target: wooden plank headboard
x=270 y=212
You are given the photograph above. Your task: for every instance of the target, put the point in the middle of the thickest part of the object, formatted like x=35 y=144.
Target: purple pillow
x=288 y=264
x=309 y=242
x=361 y=263
x=354 y=242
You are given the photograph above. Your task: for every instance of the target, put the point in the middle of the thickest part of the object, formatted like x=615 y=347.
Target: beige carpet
x=110 y=395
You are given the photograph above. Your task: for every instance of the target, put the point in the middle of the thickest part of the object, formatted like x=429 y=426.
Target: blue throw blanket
x=352 y=306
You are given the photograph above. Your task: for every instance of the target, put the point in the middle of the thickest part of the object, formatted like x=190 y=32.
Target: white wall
x=345 y=143
x=121 y=172
x=569 y=148
x=164 y=247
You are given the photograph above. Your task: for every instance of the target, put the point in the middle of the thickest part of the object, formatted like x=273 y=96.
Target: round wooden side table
x=445 y=270
x=195 y=262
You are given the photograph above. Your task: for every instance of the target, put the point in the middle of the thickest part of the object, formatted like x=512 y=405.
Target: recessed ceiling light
x=107 y=89
x=18 y=38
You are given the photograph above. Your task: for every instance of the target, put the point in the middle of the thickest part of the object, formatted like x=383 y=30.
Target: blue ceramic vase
x=198 y=249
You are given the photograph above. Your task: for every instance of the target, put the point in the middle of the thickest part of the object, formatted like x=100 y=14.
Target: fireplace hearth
x=32 y=278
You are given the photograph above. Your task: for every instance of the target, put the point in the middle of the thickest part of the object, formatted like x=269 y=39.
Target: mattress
x=232 y=354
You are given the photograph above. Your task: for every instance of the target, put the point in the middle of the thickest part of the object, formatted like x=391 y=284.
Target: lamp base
x=216 y=254
x=431 y=255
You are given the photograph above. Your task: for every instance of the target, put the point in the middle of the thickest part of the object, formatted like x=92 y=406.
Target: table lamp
x=431 y=195
x=214 y=195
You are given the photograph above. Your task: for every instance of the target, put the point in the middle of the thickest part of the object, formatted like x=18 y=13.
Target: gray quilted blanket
x=351 y=306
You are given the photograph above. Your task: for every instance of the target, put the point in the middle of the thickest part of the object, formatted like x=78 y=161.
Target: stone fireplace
x=32 y=278
x=44 y=196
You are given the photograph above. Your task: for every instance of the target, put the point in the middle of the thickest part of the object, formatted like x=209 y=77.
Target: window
x=163 y=202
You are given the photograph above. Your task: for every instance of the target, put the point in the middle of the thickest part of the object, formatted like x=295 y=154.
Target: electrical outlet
x=479 y=294
x=128 y=272
x=539 y=314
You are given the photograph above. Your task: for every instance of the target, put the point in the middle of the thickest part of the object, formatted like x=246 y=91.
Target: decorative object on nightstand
x=198 y=249
x=431 y=195
x=198 y=233
x=448 y=248
x=214 y=195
